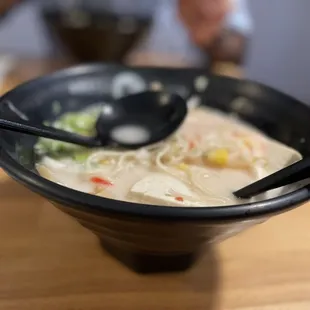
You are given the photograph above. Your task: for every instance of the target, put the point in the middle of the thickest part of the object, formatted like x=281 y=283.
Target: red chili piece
x=101 y=181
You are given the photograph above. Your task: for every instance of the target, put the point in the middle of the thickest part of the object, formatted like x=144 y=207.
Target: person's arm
x=220 y=27
x=231 y=43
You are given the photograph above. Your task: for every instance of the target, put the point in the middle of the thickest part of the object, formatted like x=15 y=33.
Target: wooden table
x=49 y=262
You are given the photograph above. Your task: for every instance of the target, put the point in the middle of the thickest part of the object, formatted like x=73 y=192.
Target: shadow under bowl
x=144 y=237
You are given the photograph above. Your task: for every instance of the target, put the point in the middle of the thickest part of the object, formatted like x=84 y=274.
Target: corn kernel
x=183 y=167
x=218 y=157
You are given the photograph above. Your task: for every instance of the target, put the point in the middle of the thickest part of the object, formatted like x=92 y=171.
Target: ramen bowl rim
x=76 y=199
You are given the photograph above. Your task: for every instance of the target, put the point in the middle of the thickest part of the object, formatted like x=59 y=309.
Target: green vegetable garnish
x=82 y=123
x=81 y=156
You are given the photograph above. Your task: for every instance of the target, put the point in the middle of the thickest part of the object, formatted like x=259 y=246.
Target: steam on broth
x=210 y=156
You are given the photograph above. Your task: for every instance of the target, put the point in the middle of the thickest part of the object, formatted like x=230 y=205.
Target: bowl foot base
x=149 y=263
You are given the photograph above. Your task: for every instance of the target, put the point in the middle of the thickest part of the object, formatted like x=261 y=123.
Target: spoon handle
x=296 y=172
x=47 y=132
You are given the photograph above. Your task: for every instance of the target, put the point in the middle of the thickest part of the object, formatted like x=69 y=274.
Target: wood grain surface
x=48 y=261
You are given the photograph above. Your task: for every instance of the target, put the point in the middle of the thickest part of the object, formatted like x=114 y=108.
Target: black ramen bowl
x=96 y=35
x=145 y=237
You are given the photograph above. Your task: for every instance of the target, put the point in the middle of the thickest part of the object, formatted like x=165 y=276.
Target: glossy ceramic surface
x=140 y=235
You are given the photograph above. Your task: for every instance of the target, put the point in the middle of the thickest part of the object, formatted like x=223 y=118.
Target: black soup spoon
x=296 y=172
x=131 y=122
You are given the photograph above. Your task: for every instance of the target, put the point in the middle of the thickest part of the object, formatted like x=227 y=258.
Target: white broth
x=211 y=156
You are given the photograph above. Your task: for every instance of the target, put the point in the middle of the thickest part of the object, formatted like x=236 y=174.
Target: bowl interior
x=276 y=114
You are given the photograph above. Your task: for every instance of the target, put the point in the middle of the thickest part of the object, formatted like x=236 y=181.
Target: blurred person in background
x=182 y=32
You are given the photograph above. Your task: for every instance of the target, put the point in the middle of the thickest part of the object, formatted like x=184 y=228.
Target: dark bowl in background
x=152 y=238
x=90 y=35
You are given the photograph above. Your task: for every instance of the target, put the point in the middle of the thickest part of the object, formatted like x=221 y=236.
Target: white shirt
x=24 y=32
